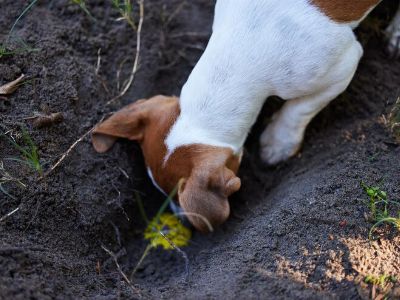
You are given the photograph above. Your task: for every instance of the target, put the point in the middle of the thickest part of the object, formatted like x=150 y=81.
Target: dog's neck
x=218 y=105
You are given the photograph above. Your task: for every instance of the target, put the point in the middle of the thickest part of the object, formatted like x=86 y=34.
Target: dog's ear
x=129 y=123
x=204 y=196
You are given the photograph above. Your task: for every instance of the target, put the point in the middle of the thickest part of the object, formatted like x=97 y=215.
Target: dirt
x=297 y=230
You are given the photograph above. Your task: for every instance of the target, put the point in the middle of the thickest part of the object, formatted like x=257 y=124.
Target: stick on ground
x=66 y=153
x=109 y=252
x=9 y=214
x=136 y=62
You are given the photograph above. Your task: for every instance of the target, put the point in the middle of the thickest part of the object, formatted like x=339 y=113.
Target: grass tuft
x=379 y=209
x=82 y=5
x=125 y=9
x=380 y=280
x=23 y=47
x=28 y=151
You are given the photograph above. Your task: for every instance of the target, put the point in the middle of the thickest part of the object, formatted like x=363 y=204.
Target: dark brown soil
x=297 y=231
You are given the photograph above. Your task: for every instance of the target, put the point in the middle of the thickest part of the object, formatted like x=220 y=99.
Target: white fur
x=174 y=207
x=155 y=183
x=261 y=48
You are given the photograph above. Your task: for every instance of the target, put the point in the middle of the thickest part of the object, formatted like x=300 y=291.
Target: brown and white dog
x=303 y=51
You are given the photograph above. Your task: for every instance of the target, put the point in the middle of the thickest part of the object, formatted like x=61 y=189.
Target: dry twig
x=9 y=214
x=98 y=61
x=109 y=252
x=66 y=153
x=175 y=13
x=136 y=62
x=184 y=255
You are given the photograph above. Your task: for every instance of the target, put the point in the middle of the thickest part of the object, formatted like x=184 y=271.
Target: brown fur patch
x=209 y=172
x=345 y=11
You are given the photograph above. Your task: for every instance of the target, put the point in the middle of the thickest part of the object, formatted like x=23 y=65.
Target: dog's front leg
x=283 y=136
x=393 y=34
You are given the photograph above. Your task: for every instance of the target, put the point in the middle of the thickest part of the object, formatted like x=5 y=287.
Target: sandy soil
x=297 y=230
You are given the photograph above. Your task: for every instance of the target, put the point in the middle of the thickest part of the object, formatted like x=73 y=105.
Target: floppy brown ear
x=126 y=123
x=204 y=198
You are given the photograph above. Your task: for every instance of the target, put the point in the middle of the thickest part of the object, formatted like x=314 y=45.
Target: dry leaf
x=10 y=87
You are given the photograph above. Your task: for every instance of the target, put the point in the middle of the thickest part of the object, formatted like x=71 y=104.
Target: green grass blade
x=19 y=18
x=141 y=207
x=167 y=201
x=2 y=189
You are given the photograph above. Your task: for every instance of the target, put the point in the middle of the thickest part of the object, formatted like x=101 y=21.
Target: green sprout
x=380 y=280
x=82 y=5
x=29 y=152
x=125 y=9
x=4 y=50
x=379 y=208
x=23 y=48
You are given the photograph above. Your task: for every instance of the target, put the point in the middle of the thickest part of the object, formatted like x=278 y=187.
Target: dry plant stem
x=136 y=291
x=204 y=219
x=136 y=62
x=97 y=71
x=9 y=214
x=145 y=253
x=121 y=65
x=66 y=153
x=189 y=34
x=175 y=12
x=98 y=61
x=184 y=255
x=10 y=87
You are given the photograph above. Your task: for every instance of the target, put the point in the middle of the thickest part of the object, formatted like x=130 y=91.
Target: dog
x=303 y=51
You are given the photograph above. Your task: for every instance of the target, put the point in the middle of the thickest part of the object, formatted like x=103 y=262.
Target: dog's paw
x=277 y=146
x=393 y=34
x=393 y=47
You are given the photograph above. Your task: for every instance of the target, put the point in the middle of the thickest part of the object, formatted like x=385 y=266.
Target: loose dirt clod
x=43 y=120
x=10 y=87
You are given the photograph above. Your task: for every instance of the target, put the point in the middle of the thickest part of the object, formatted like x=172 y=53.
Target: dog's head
x=206 y=174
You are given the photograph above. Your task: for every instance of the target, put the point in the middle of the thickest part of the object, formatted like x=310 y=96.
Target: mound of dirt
x=297 y=231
